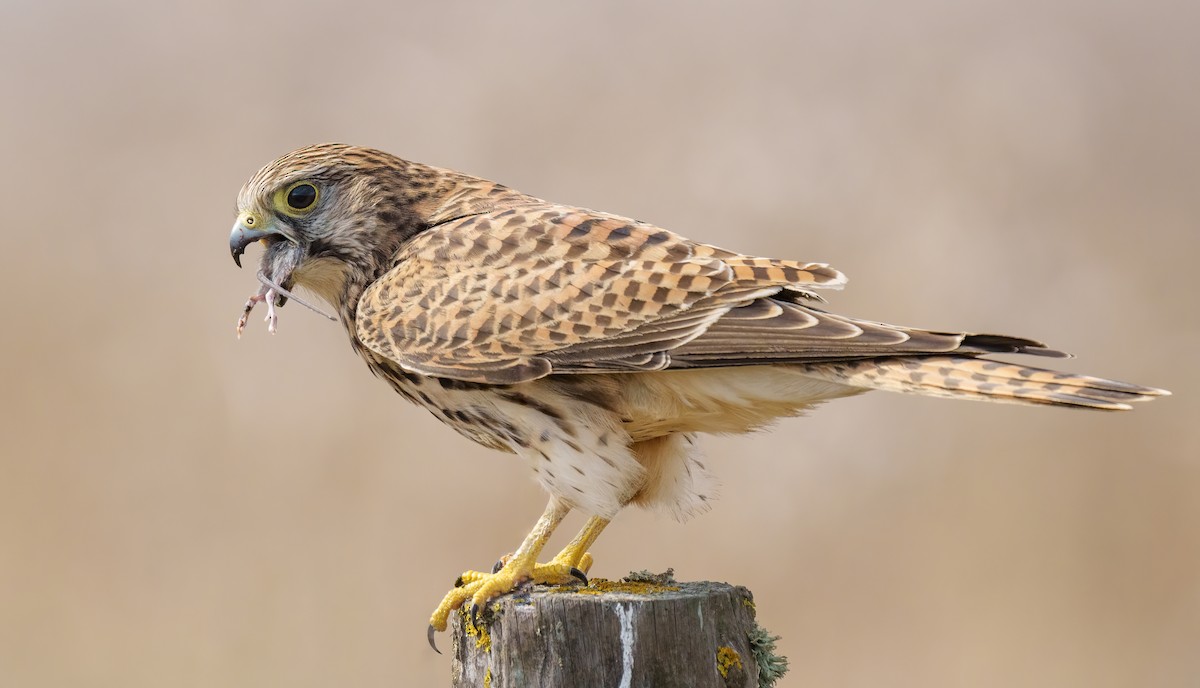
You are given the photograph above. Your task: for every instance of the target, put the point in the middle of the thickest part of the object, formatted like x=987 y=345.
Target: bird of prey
x=592 y=346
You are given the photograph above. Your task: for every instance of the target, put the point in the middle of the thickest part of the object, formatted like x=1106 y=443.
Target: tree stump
x=644 y=631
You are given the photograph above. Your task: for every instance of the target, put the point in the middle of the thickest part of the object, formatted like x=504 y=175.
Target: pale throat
x=325 y=277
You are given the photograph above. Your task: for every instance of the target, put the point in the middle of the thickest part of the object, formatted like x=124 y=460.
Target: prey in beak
x=279 y=261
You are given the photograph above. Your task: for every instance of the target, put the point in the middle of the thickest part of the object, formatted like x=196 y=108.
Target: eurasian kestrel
x=592 y=346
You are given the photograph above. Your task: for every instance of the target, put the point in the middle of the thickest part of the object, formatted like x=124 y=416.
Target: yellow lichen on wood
x=487 y=678
x=600 y=586
x=728 y=658
x=483 y=639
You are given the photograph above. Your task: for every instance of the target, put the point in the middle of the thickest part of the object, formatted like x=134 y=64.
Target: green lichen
x=644 y=576
x=727 y=659
x=771 y=666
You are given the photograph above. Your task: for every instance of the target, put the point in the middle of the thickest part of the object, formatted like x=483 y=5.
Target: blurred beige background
x=178 y=508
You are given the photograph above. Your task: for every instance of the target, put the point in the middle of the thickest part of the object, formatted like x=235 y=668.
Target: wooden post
x=643 y=631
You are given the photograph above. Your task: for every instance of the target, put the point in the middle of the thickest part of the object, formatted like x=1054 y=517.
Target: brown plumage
x=592 y=345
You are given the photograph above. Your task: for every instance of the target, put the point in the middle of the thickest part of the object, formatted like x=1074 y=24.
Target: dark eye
x=301 y=196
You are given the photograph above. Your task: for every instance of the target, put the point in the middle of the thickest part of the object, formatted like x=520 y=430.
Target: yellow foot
x=550 y=573
x=480 y=588
x=522 y=566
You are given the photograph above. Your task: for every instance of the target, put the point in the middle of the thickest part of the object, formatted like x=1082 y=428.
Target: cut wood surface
x=640 y=632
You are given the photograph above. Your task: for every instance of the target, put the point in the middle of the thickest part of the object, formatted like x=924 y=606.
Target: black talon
x=431 y=642
x=474 y=615
x=497 y=566
x=458 y=582
x=579 y=574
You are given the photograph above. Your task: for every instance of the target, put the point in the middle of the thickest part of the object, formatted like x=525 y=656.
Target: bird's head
x=331 y=216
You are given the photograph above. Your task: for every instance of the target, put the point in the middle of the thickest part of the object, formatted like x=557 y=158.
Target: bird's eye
x=301 y=196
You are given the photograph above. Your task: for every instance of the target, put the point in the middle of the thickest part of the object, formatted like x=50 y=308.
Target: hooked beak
x=248 y=229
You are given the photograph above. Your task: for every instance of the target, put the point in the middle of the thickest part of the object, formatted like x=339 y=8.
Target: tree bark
x=641 y=632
